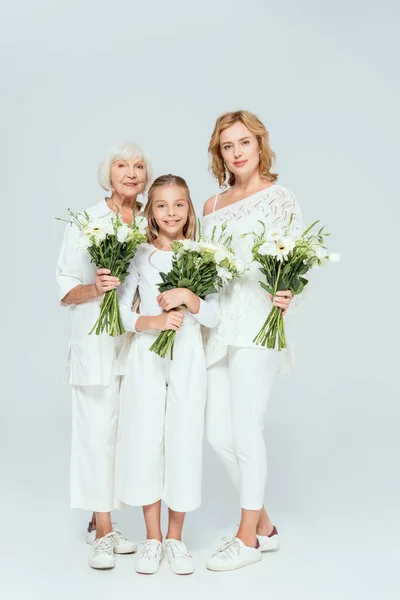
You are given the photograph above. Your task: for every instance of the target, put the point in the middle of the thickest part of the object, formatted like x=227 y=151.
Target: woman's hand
x=170 y=320
x=282 y=299
x=173 y=298
x=105 y=282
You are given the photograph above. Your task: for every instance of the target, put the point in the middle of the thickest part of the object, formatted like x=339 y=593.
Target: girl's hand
x=173 y=298
x=170 y=320
x=105 y=282
x=282 y=299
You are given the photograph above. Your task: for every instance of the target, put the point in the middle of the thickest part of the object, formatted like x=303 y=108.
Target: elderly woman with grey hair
x=125 y=172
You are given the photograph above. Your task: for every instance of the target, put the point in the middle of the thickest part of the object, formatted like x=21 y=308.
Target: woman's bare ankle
x=154 y=535
x=265 y=529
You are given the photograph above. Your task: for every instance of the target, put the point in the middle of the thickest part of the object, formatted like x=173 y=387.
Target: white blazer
x=91 y=358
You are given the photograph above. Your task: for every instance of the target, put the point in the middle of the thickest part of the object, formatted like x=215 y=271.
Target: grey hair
x=125 y=150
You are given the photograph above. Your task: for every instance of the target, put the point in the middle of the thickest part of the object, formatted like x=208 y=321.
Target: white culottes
x=94 y=436
x=239 y=386
x=162 y=420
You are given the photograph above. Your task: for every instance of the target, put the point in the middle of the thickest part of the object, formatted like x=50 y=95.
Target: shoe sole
x=220 y=569
x=271 y=549
x=99 y=568
x=125 y=551
x=144 y=572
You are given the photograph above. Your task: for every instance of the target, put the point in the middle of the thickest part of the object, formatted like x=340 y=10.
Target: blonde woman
x=125 y=172
x=241 y=374
x=162 y=400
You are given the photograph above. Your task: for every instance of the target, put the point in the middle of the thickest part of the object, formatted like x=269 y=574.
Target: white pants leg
x=184 y=425
x=94 y=435
x=238 y=390
x=162 y=416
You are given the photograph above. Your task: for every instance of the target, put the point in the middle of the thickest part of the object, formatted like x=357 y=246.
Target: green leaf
x=184 y=283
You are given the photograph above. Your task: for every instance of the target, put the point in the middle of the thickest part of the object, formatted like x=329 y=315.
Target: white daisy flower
x=283 y=246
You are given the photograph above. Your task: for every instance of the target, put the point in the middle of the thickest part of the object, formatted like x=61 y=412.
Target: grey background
x=323 y=76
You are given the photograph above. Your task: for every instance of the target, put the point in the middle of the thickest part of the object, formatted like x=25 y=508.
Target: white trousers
x=94 y=435
x=162 y=421
x=239 y=386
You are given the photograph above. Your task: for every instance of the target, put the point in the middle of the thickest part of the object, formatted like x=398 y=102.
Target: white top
x=91 y=358
x=144 y=275
x=244 y=304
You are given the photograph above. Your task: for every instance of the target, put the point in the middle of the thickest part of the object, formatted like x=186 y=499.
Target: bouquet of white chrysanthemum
x=284 y=261
x=111 y=245
x=201 y=266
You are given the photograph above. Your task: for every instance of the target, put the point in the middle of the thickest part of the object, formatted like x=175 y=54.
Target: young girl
x=162 y=400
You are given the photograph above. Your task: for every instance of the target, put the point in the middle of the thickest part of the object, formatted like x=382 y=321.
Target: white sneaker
x=233 y=555
x=103 y=553
x=180 y=561
x=150 y=556
x=269 y=543
x=122 y=544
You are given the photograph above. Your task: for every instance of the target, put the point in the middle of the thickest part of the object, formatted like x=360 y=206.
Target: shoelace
x=226 y=540
x=230 y=548
x=105 y=545
x=177 y=549
x=150 y=549
x=118 y=535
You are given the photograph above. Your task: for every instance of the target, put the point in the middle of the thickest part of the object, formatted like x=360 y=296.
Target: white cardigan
x=91 y=358
x=244 y=305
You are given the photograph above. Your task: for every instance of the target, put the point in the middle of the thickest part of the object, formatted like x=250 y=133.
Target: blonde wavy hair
x=189 y=229
x=253 y=124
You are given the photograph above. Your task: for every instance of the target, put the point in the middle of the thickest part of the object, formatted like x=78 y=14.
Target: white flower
x=334 y=257
x=141 y=222
x=273 y=235
x=224 y=274
x=188 y=246
x=283 y=246
x=96 y=230
x=207 y=246
x=267 y=248
x=122 y=233
x=222 y=254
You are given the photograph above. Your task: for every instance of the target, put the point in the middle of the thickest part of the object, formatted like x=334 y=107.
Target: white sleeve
x=208 y=314
x=126 y=295
x=69 y=265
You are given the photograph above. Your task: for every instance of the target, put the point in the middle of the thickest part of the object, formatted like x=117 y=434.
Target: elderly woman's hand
x=105 y=282
x=282 y=299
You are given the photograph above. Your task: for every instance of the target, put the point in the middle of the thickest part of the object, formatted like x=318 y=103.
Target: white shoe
x=103 y=553
x=233 y=555
x=180 y=561
x=122 y=544
x=150 y=556
x=269 y=543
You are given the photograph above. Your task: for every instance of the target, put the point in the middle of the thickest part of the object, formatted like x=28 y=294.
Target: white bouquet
x=201 y=266
x=284 y=261
x=111 y=245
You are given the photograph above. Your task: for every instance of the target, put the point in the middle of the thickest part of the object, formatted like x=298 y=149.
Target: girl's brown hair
x=253 y=123
x=189 y=229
